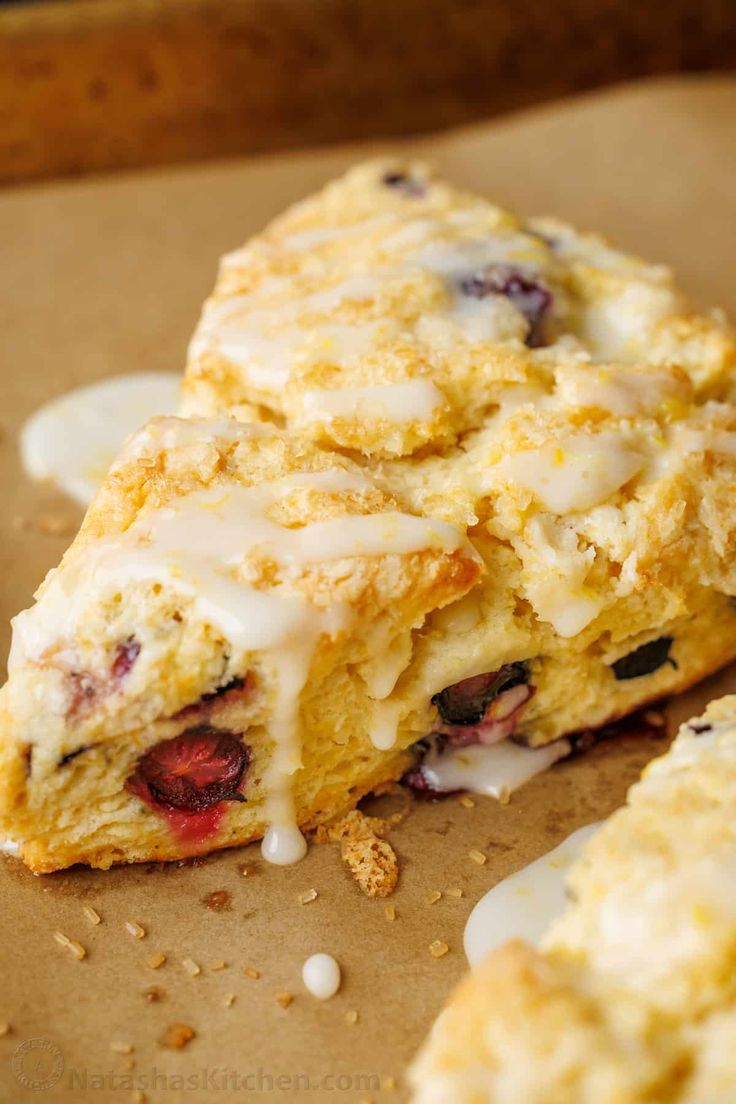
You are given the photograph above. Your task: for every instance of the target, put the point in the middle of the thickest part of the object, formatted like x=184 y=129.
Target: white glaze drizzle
x=321 y=975
x=523 y=905
x=496 y=770
x=72 y=440
x=577 y=472
x=410 y=401
x=197 y=546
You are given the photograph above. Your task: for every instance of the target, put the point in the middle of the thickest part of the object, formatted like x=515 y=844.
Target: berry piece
x=466 y=702
x=644 y=660
x=193 y=771
x=405 y=184
x=125 y=656
x=524 y=292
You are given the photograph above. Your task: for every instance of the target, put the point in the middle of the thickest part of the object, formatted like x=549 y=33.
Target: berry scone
x=199 y=670
x=552 y=395
x=632 y=998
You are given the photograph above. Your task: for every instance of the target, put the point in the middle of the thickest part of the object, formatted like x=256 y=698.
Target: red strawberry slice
x=193 y=771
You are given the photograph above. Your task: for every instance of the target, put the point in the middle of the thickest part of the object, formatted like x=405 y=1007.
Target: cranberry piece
x=522 y=290
x=193 y=771
x=405 y=184
x=125 y=656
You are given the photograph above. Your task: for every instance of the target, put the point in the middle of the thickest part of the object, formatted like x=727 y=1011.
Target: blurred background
x=90 y=85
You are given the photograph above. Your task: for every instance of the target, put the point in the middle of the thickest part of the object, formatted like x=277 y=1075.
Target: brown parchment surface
x=106 y=276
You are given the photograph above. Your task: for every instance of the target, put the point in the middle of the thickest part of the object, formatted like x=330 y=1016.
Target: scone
x=552 y=395
x=632 y=998
x=577 y=517
x=198 y=672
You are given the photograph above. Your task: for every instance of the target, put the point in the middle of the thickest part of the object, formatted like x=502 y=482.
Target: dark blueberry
x=527 y=294
x=234 y=686
x=407 y=185
x=193 y=771
x=467 y=702
x=644 y=660
x=125 y=656
x=72 y=755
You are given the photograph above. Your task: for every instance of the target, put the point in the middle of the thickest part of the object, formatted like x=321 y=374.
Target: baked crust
x=632 y=996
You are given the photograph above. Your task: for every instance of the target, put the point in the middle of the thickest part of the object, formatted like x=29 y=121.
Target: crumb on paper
x=153 y=996
x=191 y=967
x=438 y=948
x=456 y=892
x=5 y=1028
x=351 y=1017
x=156 y=960
x=119 y=1047
x=70 y=945
x=388 y=1084
x=477 y=856
x=434 y=896
x=49 y=525
x=284 y=999
x=135 y=929
x=370 y=858
x=467 y=802
x=251 y=972
x=229 y=1000
x=177 y=1035
x=92 y=914
x=389 y=912
x=219 y=964
x=218 y=900
x=307 y=896
x=247 y=870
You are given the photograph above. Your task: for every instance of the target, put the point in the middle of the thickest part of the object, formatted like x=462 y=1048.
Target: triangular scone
x=553 y=395
x=391 y=312
x=632 y=999
x=199 y=669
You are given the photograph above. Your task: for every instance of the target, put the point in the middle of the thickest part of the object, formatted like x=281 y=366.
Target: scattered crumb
x=92 y=914
x=370 y=858
x=139 y=1097
x=156 y=960
x=284 y=999
x=218 y=900
x=220 y=964
x=177 y=1035
x=307 y=896
x=135 y=929
x=153 y=996
x=454 y=892
x=70 y=944
x=121 y=1048
x=247 y=870
x=229 y=1000
x=467 y=802
x=477 y=857
x=351 y=1017
x=389 y=912
x=191 y=967
x=251 y=972
x=438 y=948
x=51 y=525
x=654 y=718
x=434 y=896
x=5 y=1028
x=388 y=1084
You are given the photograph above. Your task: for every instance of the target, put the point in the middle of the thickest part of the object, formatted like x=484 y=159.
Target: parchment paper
x=107 y=276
